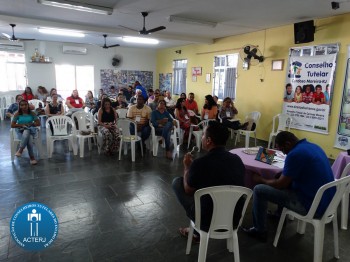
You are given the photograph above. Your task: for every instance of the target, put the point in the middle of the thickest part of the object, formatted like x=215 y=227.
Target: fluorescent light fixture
x=140 y=40
x=190 y=21
x=62 y=32
x=76 y=5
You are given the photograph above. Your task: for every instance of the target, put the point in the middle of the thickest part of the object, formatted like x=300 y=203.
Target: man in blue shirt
x=137 y=85
x=306 y=169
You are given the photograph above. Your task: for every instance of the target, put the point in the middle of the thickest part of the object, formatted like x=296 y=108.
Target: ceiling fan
x=105 y=46
x=13 y=37
x=144 y=31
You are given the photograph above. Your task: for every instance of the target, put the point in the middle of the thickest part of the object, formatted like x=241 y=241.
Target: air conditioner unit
x=74 y=50
x=11 y=45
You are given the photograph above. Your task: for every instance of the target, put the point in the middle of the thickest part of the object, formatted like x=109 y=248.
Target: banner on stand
x=307 y=91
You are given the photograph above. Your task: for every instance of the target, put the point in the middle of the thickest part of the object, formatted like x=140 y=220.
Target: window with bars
x=13 y=75
x=179 y=67
x=225 y=68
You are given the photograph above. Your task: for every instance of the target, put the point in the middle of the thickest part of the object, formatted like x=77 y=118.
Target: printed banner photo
x=342 y=138
x=307 y=91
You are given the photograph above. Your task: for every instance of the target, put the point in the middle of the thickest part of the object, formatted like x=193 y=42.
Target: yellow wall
x=265 y=96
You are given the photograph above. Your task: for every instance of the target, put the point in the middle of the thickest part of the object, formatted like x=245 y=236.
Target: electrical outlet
x=331 y=156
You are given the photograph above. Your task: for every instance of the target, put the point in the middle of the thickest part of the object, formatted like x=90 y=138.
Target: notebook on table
x=265 y=155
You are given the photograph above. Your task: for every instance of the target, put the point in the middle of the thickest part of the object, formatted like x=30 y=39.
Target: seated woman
x=120 y=103
x=99 y=102
x=25 y=122
x=90 y=101
x=182 y=115
x=107 y=126
x=163 y=124
x=54 y=108
x=28 y=94
x=210 y=109
x=228 y=112
x=42 y=93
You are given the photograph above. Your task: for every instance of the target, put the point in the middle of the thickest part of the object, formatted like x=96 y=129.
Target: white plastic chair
x=63 y=129
x=330 y=215
x=85 y=122
x=198 y=134
x=5 y=102
x=2 y=107
x=15 y=142
x=36 y=103
x=127 y=137
x=345 y=201
x=122 y=112
x=99 y=137
x=225 y=199
x=284 y=123
x=252 y=117
x=155 y=140
x=177 y=136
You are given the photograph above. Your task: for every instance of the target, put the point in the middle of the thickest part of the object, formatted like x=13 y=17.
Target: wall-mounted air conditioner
x=74 y=50
x=11 y=45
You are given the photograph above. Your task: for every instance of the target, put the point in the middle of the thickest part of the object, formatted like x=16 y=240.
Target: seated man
x=306 y=169
x=218 y=167
x=141 y=113
x=191 y=104
x=155 y=101
x=112 y=94
x=74 y=102
x=170 y=103
x=133 y=100
x=163 y=124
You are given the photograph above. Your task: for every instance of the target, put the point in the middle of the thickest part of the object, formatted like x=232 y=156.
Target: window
x=180 y=67
x=70 y=77
x=224 y=84
x=12 y=71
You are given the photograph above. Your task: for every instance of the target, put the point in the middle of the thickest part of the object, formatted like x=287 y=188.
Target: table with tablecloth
x=253 y=166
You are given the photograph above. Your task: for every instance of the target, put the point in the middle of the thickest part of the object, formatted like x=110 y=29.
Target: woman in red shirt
x=28 y=94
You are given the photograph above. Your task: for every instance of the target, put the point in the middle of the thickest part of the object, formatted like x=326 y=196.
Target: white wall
x=44 y=74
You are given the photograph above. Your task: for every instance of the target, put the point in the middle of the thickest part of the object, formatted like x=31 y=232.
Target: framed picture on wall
x=207 y=78
x=196 y=71
x=277 y=65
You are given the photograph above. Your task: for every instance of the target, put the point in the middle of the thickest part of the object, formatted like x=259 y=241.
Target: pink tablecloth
x=253 y=166
x=339 y=164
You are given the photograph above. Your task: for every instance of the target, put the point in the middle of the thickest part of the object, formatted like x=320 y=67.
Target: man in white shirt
x=170 y=103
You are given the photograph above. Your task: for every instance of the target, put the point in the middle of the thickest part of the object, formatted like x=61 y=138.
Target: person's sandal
x=184 y=232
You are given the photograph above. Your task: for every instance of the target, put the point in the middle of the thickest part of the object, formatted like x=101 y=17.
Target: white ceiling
x=234 y=17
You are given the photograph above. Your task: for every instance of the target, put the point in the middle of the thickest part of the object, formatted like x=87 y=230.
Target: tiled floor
x=112 y=210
